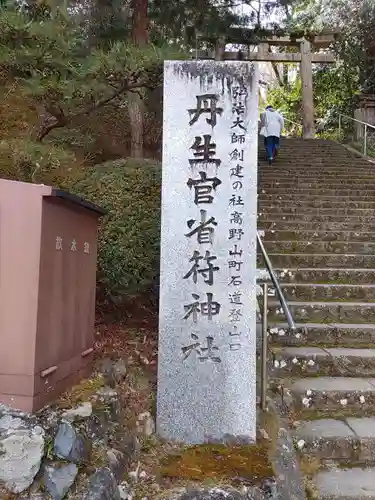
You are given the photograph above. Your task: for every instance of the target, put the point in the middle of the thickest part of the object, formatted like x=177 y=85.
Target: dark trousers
x=272 y=144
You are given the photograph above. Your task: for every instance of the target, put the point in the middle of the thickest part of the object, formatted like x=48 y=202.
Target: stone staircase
x=317 y=211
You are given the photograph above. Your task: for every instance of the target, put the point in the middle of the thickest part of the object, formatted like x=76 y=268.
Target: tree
x=66 y=78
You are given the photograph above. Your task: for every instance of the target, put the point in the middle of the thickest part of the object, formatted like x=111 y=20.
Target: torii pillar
x=308 y=122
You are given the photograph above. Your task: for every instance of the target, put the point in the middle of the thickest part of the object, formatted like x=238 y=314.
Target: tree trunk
x=136 y=107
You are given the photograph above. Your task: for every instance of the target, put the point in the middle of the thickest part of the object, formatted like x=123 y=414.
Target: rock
x=21 y=452
x=70 y=445
x=102 y=486
x=59 y=480
x=7 y=423
x=81 y=412
x=146 y=424
x=114 y=372
x=213 y=494
x=125 y=493
x=121 y=458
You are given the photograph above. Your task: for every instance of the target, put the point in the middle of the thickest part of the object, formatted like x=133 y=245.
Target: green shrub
x=128 y=259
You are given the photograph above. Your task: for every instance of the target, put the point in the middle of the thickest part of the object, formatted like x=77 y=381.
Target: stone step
x=301 y=260
x=316 y=207
x=332 y=225
x=359 y=276
x=288 y=210
x=323 y=184
x=322 y=292
x=351 y=439
x=315 y=204
x=306 y=246
x=324 y=175
x=327 y=335
x=319 y=236
x=291 y=199
x=333 y=394
x=367 y=218
x=345 y=484
x=325 y=312
x=322 y=192
x=332 y=362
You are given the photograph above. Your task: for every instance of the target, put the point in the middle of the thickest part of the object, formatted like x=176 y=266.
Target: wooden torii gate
x=306 y=56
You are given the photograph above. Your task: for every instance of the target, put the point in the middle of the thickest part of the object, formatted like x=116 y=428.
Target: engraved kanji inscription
x=237 y=138
x=236 y=218
x=208 y=308
x=239 y=91
x=206 y=104
x=237 y=155
x=236 y=200
x=236 y=252
x=204 y=230
x=236 y=298
x=235 y=281
x=203 y=265
x=238 y=108
x=235 y=264
x=208 y=353
x=239 y=123
x=236 y=185
x=235 y=234
x=235 y=315
x=237 y=171
x=205 y=150
x=203 y=188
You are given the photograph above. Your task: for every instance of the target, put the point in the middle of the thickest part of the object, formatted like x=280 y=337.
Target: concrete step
x=333 y=394
x=346 y=484
x=321 y=292
x=301 y=260
x=313 y=361
x=351 y=439
x=306 y=246
x=327 y=335
x=315 y=236
x=367 y=219
x=324 y=312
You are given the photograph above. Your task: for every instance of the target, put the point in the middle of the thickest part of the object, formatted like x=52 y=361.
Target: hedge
x=129 y=235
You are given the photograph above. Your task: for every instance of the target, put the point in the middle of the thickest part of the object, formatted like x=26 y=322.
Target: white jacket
x=273 y=123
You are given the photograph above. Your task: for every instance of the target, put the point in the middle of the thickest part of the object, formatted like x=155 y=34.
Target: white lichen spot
x=283 y=363
x=294 y=361
x=311 y=362
x=276 y=364
x=343 y=402
x=306 y=402
x=308 y=392
x=298 y=335
x=281 y=332
x=274 y=331
x=301 y=443
x=362 y=399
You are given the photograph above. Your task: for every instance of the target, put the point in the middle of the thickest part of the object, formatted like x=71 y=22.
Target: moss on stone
x=219 y=462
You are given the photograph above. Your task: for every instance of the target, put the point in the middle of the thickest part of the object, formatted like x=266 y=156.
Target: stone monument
x=207 y=337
